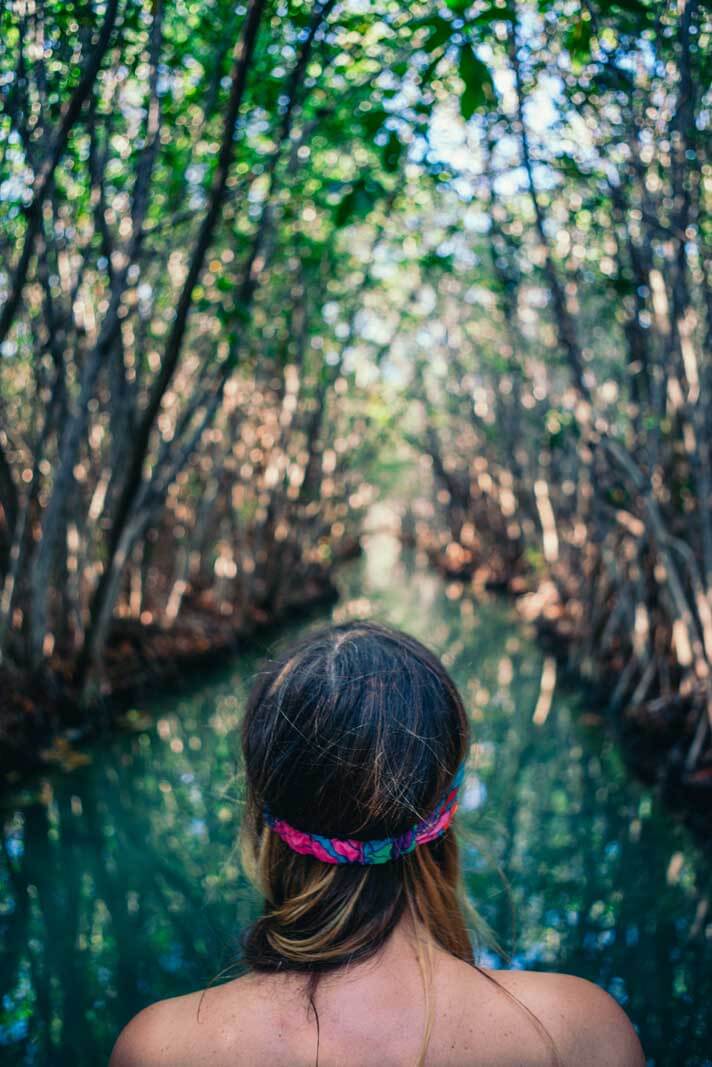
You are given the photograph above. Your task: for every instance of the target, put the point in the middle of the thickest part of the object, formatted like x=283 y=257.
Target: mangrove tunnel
x=337 y=309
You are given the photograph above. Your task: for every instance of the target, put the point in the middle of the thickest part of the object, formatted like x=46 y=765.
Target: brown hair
x=355 y=731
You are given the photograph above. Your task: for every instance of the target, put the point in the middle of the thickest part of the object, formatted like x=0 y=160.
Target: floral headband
x=335 y=850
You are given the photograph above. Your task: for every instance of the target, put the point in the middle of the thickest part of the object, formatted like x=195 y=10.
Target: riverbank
x=40 y=724
x=41 y=727
x=656 y=732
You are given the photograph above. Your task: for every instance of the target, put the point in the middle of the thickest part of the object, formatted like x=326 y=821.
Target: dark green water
x=119 y=884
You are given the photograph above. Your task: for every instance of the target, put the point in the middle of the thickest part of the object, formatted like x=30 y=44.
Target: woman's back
x=371 y=1015
x=355 y=744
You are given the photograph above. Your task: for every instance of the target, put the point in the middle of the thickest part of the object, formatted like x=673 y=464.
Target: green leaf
x=432 y=261
x=570 y=167
x=439 y=34
x=635 y=7
x=578 y=41
x=458 y=5
x=479 y=87
x=358 y=202
x=392 y=152
x=373 y=120
x=345 y=209
x=492 y=14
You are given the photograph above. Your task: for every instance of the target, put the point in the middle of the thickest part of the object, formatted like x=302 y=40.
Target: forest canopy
x=263 y=262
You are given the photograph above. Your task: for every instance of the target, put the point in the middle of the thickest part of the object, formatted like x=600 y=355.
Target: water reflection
x=119 y=880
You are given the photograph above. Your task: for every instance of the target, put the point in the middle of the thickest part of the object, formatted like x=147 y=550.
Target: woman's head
x=355 y=732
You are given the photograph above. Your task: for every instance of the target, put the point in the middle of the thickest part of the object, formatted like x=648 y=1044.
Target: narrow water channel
x=119 y=881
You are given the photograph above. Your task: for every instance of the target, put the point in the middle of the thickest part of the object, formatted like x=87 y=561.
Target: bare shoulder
x=588 y=1025
x=191 y=1030
x=157 y=1035
x=146 y=1040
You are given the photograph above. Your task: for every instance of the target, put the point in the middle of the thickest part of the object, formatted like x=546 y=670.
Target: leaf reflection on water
x=120 y=884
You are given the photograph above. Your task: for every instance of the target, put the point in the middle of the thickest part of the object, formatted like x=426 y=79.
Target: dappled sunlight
x=353 y=308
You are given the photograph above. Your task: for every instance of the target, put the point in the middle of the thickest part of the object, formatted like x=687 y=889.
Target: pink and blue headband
x=335 y=850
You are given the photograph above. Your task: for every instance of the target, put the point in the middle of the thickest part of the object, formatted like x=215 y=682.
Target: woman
x=354 y=744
